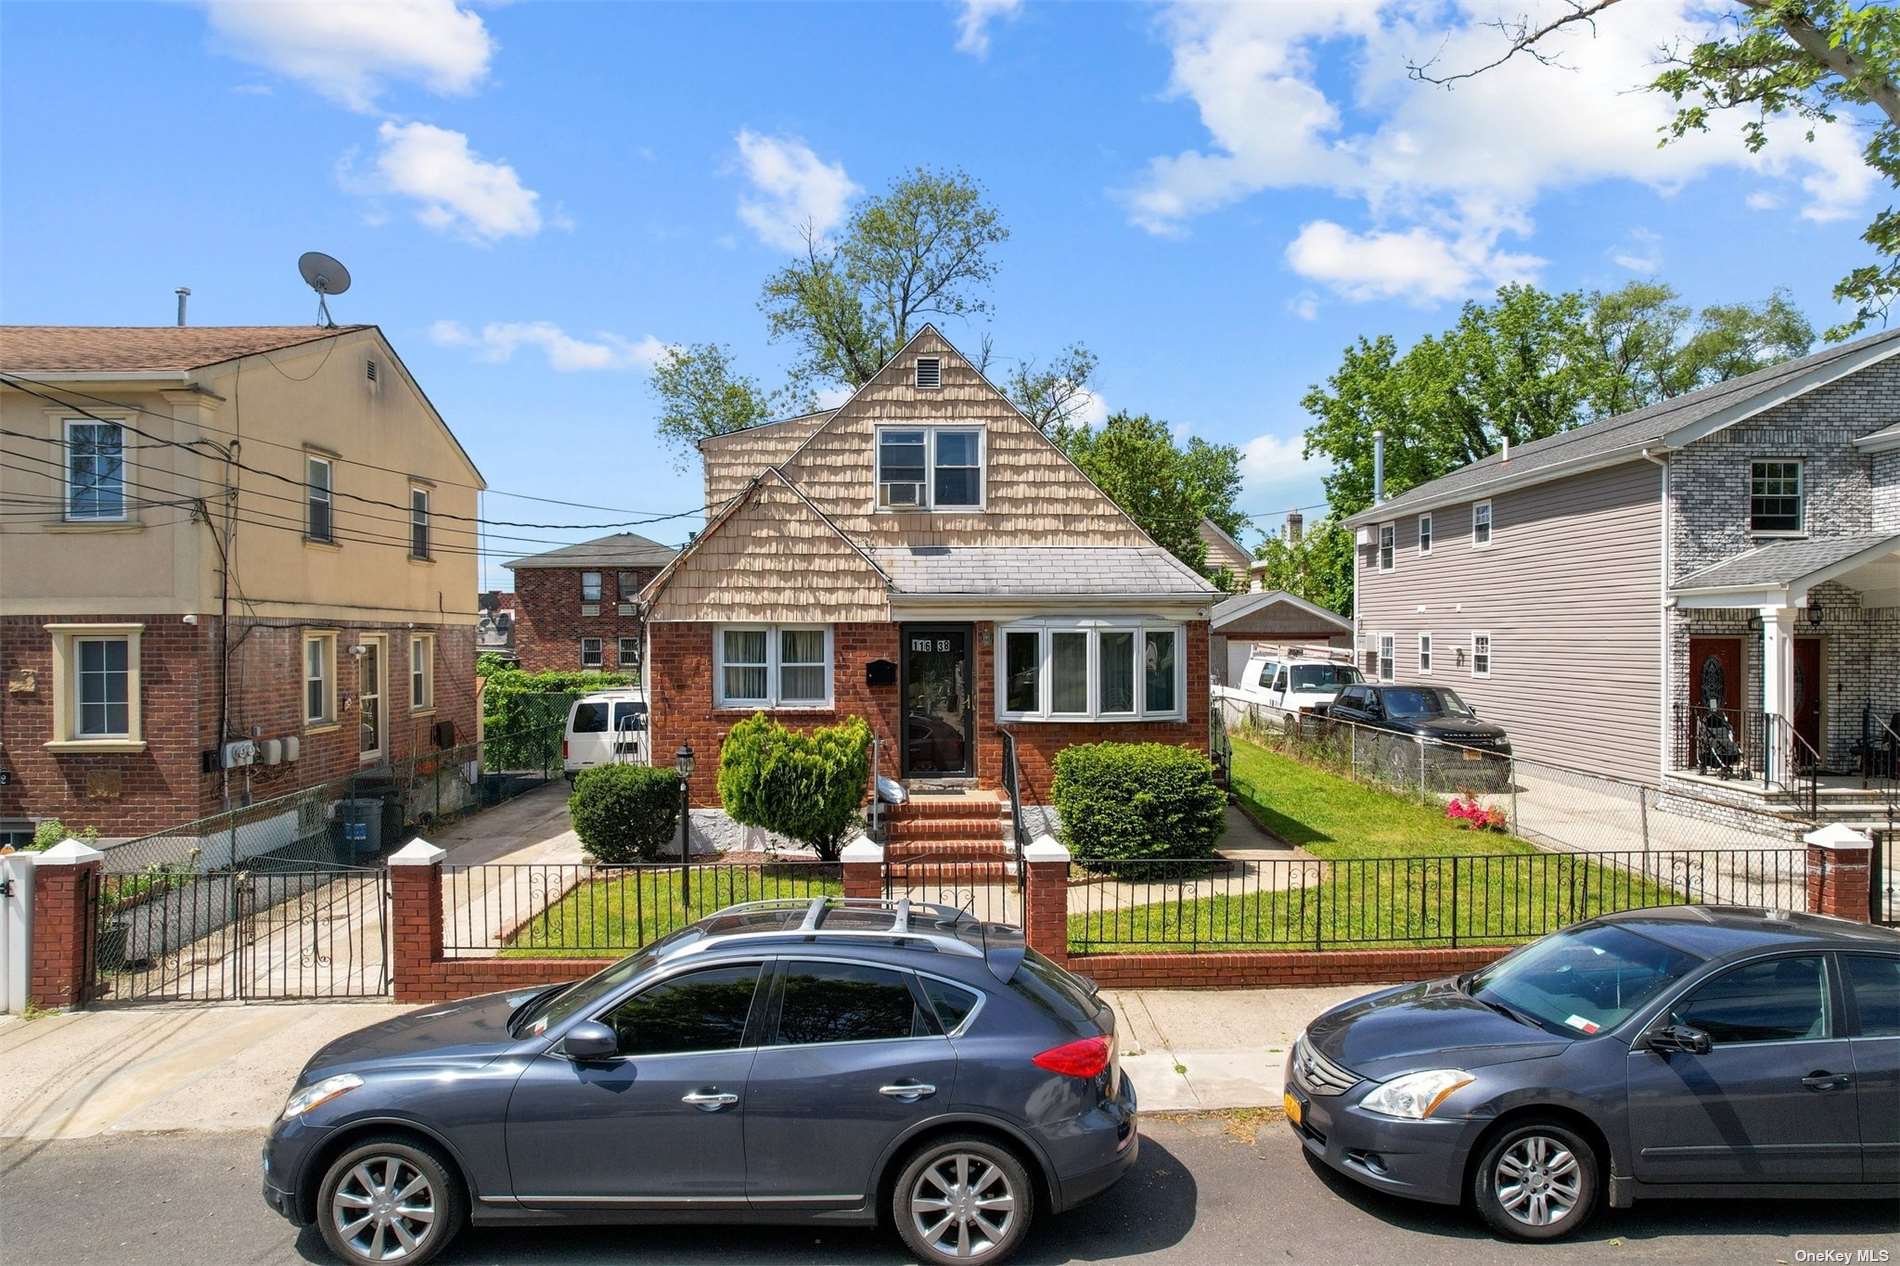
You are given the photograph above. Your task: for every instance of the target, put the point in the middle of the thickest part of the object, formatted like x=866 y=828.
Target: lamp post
x=683 y=762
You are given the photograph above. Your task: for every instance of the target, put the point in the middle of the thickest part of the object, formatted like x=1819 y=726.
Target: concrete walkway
x=1194 y=1050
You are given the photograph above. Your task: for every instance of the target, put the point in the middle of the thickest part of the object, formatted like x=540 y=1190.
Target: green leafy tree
x=807 y=787
x=1053 y=395
x=1317 y=567
x=1165 y=487
x=1809 y=60
x=701 y=394
x=1652 y=347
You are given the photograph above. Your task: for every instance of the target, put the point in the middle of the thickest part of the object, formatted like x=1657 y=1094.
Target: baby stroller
x=1715 y=746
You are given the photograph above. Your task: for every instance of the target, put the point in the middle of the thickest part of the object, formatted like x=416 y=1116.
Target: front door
x=1715 y=698
x=370 y=699
x=938 y=700
x=1807 y=695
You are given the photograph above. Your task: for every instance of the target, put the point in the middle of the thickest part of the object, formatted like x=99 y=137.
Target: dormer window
x=929 y=372
x=1775 y=497
x=930 y=468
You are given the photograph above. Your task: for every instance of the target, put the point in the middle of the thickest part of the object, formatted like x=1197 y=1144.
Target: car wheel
x=961 y=1200
x=1537 y=1181
x=388 y=1200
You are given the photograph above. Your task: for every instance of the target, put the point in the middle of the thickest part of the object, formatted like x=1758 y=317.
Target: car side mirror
x=1680 y=1037
x=589 y=1039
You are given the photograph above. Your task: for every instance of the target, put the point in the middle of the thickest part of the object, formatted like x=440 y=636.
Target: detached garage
x=1273 y=616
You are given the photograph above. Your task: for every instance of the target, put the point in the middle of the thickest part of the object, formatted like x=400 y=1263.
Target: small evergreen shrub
x=627 y=813
x=51 y=831
x=807 y=787
x=1137 y=801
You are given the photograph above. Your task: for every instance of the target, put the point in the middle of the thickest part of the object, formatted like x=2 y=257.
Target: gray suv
x=828 y=1061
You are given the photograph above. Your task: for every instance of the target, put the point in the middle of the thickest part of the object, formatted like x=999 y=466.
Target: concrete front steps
x=953 y=838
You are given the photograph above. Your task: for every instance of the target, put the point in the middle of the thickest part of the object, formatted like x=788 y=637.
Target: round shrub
x=807 y=787
x=626 y=813
x=1135 y=801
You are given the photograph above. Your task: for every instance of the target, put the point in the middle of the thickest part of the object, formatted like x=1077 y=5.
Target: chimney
x=183 y=293
x=1378 y=468
x=1295 y=524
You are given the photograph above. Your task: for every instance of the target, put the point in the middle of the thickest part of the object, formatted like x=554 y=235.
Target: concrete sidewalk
x=227 y=1066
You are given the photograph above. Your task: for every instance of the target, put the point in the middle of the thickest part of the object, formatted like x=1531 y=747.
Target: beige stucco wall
x=274 y=405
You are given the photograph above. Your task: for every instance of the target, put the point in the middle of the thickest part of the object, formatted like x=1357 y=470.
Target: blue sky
x=534 y=197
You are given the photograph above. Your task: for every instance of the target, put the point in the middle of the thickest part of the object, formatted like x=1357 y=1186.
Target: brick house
x=579 y=606
x=1607 y=592
x=239 y=564
x=923 y=557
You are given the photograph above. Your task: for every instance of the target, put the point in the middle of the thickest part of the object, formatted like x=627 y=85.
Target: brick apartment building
x=240 y=564
x=579 y=606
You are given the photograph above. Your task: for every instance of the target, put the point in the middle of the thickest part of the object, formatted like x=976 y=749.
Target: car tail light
x=1086 y=1057
x=563 y=749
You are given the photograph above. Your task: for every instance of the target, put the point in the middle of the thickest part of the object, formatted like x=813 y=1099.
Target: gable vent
x=369 y=370
x=929 y=372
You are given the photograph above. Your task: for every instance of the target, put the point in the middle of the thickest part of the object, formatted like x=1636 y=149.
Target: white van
x=1289 y=680
x=608 y=727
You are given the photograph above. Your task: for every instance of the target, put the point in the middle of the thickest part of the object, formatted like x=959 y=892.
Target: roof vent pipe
x=183 y=293
x=1378 y=468
x=1507 y=449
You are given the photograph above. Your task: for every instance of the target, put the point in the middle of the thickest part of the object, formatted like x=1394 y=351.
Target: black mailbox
x=880 y=672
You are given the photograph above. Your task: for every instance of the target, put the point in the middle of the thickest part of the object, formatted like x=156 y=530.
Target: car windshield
x=1424 y=701
x=1323 y=679
x=552 y=1008
x=1581 y=981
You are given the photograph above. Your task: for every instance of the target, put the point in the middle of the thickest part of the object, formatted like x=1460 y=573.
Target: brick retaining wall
x=1295 y=969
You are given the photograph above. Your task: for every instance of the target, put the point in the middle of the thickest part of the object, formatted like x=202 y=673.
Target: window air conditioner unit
x=903 y=494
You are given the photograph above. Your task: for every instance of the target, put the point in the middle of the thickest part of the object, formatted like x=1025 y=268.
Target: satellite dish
x=325 y=275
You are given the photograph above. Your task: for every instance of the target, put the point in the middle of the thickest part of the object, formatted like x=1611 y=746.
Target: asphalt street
x=1206 y=1192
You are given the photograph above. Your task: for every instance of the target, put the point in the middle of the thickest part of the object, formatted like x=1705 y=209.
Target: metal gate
x=312 y=932
x=1883 y=879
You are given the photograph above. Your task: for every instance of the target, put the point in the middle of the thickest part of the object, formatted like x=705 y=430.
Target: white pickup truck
x=1288 y=681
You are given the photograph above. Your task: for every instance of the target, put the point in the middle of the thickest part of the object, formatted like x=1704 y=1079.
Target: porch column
x=1777 y=688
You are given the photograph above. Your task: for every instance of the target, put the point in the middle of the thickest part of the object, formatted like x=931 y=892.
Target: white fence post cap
x=1045 y=848
x=1838 y=835
x=417 y=852
x=862 y=849
x=69 y=852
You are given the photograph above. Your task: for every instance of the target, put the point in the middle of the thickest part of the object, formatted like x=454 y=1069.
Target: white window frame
x=1388 y=557
x=1385 y=656
x=312 y=495
x=1490 y=653
x=598 y=586
x=600 y=652
x=1800 y=465
x=66 y=736
x=329 y=717
x=1426 y=536
x=125 y=467
x=929 y=502
x=1490 y=525
x=421 y=522
x=422 y=676
x=773 y=700
x=1094 y=627
x=1425 y=654
x=621 y=659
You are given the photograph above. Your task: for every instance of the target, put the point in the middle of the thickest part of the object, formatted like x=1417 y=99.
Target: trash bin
x=359 y=828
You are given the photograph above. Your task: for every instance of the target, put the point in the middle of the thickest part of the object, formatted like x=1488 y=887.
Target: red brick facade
x=549 y=625
x=61 y=973
x=126 y=794
x=680 y=689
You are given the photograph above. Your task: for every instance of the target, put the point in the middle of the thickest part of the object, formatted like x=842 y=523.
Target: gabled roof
x=1242 y=605
x=141 y=349
x=1208 y=526
x=818 y=416
x=1040 y=570
x=621 y=549
x=1681 y=419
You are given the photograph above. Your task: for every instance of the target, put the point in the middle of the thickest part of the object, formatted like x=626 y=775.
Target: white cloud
x=1762 y=200
x=1304 y=305
x=497 y=342
x=793 y=189
x=1416 y=263
x=1091 y=410
x=351 y=50
x=1640 y=251
x=458 y=191
x=1273 y=461
x=833 y=397
x=1448 y=172
x=973 y=23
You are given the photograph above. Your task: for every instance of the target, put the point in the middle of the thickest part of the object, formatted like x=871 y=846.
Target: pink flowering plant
x=1465 y=810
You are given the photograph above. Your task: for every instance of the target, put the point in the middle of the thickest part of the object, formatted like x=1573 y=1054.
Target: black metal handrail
x=1750 y=745
x=1012 y=783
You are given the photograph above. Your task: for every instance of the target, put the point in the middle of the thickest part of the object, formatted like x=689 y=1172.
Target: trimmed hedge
x=523 y=714
x=1133 y=801
x=807 y=787
x=626 y=813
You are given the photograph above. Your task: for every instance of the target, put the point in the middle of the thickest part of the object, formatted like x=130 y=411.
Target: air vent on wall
x=369 y=370
x=929 y=372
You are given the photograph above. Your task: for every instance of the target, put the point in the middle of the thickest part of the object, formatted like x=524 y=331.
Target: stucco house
x=1273 y=616
x=924 y=557
x=1608 y=592
x=239 y=563
x=578 y=606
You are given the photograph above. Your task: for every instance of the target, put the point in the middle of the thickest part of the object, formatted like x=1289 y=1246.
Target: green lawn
x=618 y=913
x=1395 y=872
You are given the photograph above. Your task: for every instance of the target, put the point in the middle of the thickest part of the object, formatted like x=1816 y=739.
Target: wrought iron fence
x=1362 y=903
x=580 y=910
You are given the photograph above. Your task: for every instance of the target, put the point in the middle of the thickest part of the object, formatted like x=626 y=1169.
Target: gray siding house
x=1606 y=594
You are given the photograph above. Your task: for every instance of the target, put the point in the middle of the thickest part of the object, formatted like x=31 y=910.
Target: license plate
x=1293 y=1109
x=1471 y=755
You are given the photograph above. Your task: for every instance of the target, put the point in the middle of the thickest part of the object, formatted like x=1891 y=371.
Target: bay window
x=1091 y=670
x=772 y=666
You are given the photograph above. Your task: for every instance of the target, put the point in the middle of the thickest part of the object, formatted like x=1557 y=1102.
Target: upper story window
x=627 y=585
x=590 y=586
x=772 y=666
x=930 y=468
x=319 y=521
x=1388 y=540
x=1089 y=670
x=929 y=372
x=1775 y=497
x=1480 y=524
x=1424 y=533
x=95 y=470
x=418 y=523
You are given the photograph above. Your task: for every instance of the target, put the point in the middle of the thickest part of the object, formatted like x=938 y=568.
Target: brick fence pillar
x=415 y=919
x=863 y=868
x=1840 y=870
x=65 y=887
x=1046 y=898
